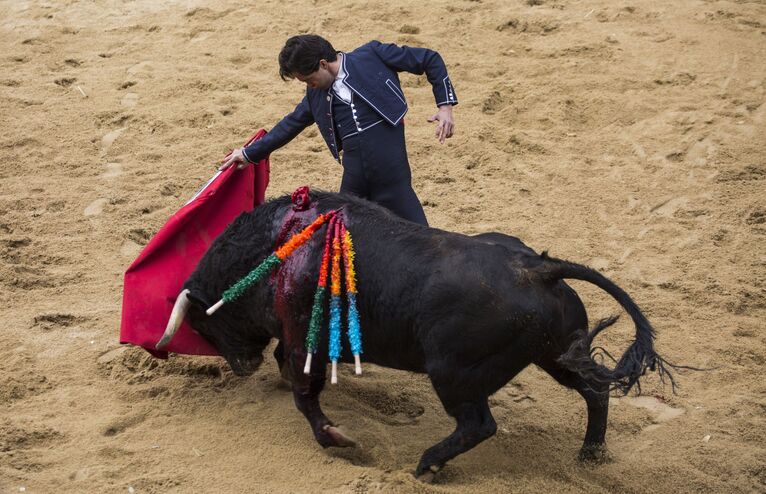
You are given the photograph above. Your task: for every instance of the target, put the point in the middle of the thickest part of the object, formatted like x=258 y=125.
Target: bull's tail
x=637 y=359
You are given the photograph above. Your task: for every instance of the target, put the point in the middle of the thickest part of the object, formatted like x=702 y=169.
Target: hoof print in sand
x=393 y=408
x=65 y=81
x=139 y=236
x=21 y=436
x=122 y=424
x=55 y=320
x=25 y=385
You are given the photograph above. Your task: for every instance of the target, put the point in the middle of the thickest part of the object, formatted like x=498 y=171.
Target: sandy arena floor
x=628 y=135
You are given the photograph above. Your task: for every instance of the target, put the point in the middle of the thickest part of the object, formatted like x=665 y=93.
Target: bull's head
x=232 y=336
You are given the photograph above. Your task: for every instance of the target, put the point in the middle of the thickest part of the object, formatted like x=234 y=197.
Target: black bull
x=471 y=312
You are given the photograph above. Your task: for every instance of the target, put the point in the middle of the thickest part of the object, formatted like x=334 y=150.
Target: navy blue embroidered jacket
x=372 y=74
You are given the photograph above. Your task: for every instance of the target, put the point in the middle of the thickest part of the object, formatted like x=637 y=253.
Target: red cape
x=155 y=278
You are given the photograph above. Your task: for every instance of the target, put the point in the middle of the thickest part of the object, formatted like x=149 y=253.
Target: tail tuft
x=589 y=361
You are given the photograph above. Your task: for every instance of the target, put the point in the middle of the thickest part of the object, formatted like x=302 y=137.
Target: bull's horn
x=176 y=318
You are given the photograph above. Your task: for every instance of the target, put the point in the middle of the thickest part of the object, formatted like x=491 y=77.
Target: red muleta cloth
x=155 y=278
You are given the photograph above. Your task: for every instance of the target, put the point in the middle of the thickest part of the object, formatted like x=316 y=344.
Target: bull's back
x=423 y=290
x=414 y=295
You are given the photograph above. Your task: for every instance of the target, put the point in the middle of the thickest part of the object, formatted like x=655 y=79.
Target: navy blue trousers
x=375 y=167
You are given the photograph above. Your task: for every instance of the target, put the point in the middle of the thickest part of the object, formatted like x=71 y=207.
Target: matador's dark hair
x=301 y=55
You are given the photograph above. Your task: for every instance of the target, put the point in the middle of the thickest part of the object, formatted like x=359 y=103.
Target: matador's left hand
x=446 y=125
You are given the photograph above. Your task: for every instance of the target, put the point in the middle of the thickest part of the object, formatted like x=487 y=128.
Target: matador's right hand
x=236 y=157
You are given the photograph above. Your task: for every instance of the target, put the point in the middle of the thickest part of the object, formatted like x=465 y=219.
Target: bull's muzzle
x=176 y=318
x=244 y=366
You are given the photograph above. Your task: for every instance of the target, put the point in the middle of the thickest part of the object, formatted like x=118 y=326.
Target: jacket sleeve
x=282 y=133
x=418 y=61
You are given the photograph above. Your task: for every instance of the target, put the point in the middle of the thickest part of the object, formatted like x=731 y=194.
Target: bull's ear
x=198 y=300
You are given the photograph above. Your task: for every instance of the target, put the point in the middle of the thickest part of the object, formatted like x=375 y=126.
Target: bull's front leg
x=306 y=390
x=284 y=369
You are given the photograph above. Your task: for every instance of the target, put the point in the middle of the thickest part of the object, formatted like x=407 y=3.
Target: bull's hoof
x=284 y=384
x=595 y=454
x=338 y=438
x=427 y=474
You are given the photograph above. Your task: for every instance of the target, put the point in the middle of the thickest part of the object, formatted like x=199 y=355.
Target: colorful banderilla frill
x=354 y=329
x=334 y=352
x=271 y=262
x=338 y=254
x=317 y=310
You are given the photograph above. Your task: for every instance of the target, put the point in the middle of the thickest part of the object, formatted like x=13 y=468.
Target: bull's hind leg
x=306 y=390
x=474 y=424
x=464 y=392
x=596 y=398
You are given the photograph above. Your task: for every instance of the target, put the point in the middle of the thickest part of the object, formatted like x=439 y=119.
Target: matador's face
x=322 y=78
